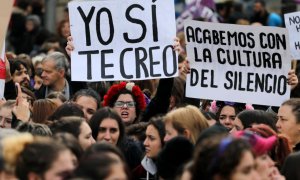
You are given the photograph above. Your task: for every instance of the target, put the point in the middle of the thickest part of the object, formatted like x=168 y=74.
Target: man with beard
x=261 y=15
x=18 y=74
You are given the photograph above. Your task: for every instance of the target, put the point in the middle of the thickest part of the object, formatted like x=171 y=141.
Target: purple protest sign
x=197 y=9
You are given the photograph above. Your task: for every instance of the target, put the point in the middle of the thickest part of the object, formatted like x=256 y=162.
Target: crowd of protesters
x=53 y=128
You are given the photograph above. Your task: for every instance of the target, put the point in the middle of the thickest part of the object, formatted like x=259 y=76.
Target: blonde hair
x=25 y=154
x=187 y=118
x=12 y=147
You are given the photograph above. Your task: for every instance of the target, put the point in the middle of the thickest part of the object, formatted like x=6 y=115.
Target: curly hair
x=125 y=88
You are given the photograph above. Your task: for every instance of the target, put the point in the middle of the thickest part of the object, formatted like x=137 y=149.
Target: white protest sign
x=5 y=13
x=237 y=63
x=122 y=40
x=292 y=23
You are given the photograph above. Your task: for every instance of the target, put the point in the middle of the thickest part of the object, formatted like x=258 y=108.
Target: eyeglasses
x=129 y=104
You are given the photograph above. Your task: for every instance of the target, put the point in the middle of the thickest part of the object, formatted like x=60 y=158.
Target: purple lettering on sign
x=197 y=9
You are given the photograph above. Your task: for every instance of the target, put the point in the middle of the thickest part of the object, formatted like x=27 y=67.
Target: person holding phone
x=16 y=72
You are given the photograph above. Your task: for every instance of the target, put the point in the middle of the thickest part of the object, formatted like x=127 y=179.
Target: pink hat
x=260 y=145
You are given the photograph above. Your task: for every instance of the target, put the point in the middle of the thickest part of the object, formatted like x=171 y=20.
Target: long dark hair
x=159 y=125
x=218 y=155
x=100 y=115
x=97 y=166
x=70 y=124
x=250 y=117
